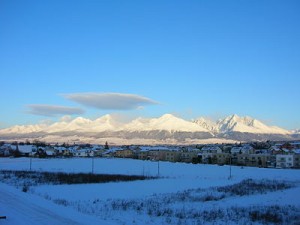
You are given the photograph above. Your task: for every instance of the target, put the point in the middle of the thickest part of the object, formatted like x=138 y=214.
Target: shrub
x=25 y=188
x=35 y=178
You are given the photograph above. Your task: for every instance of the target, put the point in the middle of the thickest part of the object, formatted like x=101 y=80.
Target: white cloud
x=117 y=101
x=53 y=110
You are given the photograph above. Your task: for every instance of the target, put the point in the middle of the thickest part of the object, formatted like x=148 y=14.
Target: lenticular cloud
x=53 y=110
x=116 y=101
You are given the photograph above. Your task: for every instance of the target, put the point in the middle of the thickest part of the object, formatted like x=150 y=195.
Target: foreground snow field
x=152 y=201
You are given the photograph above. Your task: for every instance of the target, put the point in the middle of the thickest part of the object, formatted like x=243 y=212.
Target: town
x=269 y=154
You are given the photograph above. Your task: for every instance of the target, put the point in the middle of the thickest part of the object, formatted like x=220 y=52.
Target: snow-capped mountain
x=23 y=129
x=247 y=124
x=77 y=124
x=167 y=122
x=207 y=124
x=168 y=127
x=105 y=123
x=81 y=124
x=234 y=123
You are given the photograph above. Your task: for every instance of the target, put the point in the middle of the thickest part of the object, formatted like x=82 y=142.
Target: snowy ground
x=143 y=202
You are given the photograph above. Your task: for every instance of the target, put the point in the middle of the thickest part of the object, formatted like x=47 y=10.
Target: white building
x=211 y=149
x=84 y=153
x=284 y=161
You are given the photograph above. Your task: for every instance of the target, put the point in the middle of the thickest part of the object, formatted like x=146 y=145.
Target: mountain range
x=167 y=129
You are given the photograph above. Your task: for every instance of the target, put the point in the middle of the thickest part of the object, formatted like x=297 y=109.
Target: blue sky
x=189 y=58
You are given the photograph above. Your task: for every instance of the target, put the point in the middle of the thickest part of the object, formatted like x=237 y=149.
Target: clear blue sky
x=196 y=58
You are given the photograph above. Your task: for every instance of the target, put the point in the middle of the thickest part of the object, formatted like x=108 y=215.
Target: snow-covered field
x=184 y=194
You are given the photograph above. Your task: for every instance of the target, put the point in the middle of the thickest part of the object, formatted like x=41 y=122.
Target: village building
x=124 y=153
x=285 y=161
x=256 y=160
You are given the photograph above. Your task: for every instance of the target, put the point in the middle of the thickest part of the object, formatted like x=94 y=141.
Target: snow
x=37 y=207
x=24 y=129
x=166 y=122
x=234 y=123
x=26 y=208
x=247 y=124
x=167 y=129
x=207 y=124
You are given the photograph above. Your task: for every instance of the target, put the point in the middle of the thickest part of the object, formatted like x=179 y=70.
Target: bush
x=61 y=202
x=35 y=178
x=249 y=187
x=25 y=188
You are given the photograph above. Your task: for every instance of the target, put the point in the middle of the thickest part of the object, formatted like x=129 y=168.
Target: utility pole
x=30 y=162
x=230 y=168
x=158 y=156
x=158 y=168
x=93 y=164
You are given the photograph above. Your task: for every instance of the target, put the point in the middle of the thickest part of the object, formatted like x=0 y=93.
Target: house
x=109 y=153
x=143 y=155
x=236 y=150
x=262 y=151
x=221 y=158
x=297 y=160
x=187 y=156
x=207 y=153
x=23 y=150
x=295 y=145
x=284 y=161
x=5 y=150
x=172 y=156
x=211 y=149
x=157 y=155
x=63 y=151
x=84 y=153
x=124 y=153
x=50 y=152
x=247 y=149
x=256 y=160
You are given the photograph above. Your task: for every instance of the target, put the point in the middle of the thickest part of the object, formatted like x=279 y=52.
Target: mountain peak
x=206 y=124
x=234 y=116
x=80 y=120
x=105 y=118
x=167 y=122
x=168 y=116
x=246 y=124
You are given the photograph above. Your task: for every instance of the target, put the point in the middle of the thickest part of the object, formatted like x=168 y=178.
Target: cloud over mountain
x=53 y=110
x=116 y=101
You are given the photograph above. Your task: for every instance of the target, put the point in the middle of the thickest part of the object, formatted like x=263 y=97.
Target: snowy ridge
x=167 y=122
x=297 y=131
x=207 y=124
x=24 y=129
x=167 y=127
x=247 y=124
x=234 y=123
